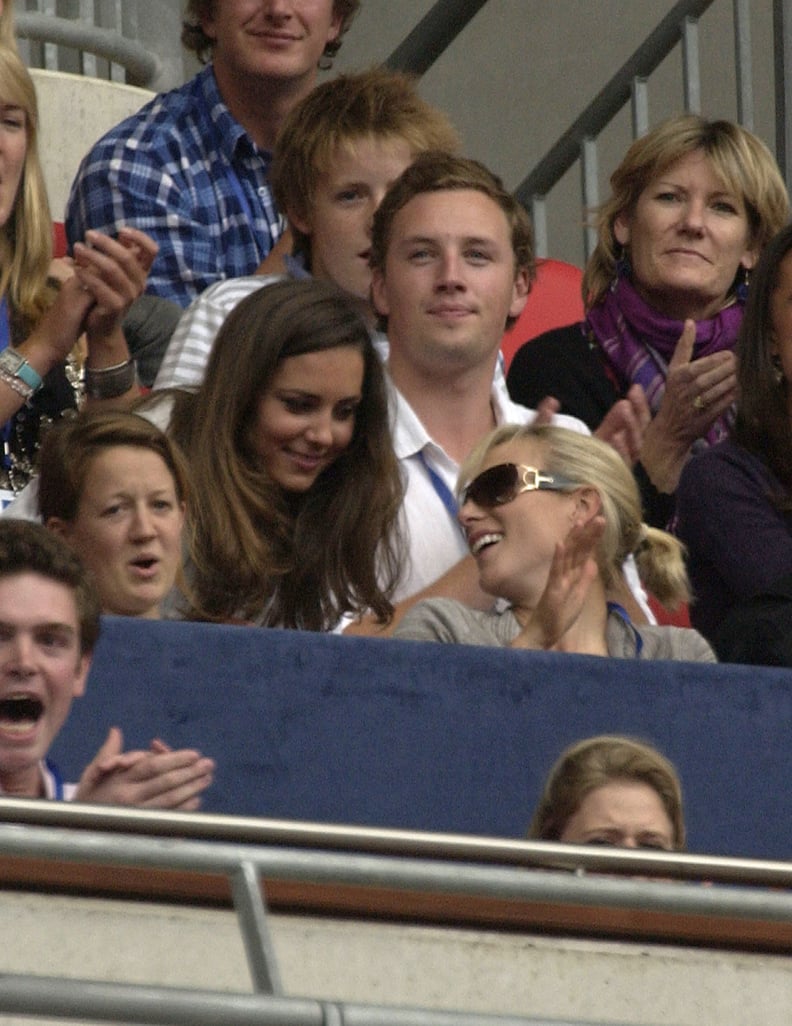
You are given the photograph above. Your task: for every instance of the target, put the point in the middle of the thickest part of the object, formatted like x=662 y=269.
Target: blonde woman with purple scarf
x=692 y=205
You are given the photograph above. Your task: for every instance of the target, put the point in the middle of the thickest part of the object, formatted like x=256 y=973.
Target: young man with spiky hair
x=338 y=152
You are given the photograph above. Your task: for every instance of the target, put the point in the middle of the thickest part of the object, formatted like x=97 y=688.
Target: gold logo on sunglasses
x=504 y=482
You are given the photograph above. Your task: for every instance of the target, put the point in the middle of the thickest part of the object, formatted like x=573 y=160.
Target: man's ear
x=81 y=675
x=520 y=290
x=379 y=294
x=207 y=22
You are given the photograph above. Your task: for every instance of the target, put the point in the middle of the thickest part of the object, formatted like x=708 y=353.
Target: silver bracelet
x=110 y=382
x=18 y=385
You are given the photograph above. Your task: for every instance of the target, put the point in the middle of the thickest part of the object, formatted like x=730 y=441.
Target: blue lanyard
x=5 y=324
x=57 y=779
x=621 y=612
x=442 y=490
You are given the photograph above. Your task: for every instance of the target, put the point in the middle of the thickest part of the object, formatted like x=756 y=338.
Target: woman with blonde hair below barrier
x=114 y=487
x=550 y=515
x=692 y=205
x=611 y=790
x=41 y=320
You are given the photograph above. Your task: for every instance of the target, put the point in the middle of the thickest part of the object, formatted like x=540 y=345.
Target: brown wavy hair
x=262 y=554
x=194 y=38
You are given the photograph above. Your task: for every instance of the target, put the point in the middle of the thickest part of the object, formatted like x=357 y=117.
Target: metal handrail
x=142 y=66
x=384 y=841
x=433 y=34
x=247 y=865
x=609 y=101
x=129 y=1003
x=396 y=873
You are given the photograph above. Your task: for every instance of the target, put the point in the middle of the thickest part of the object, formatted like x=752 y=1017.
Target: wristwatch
x=18 y=367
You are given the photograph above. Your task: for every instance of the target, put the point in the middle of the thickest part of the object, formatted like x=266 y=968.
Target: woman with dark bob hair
x=735 y=500
x=296 y=491
x=611 y=790
x=692 y=205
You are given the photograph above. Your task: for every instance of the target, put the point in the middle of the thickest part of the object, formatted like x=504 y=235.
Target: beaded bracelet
x=19 y=386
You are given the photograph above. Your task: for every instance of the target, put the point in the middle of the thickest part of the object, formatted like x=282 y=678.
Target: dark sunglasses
x=504 y=482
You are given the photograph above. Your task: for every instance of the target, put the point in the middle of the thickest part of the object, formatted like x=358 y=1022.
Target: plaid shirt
x=184 y=171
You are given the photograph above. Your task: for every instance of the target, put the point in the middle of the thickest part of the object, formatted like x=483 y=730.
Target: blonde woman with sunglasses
x=550 y=516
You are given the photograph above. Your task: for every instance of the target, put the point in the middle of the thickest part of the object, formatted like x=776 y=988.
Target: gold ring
x=699 y=404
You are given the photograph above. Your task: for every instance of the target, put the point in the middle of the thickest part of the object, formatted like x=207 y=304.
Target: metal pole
x=433 y=34
x=782 y=33
x=743 y=63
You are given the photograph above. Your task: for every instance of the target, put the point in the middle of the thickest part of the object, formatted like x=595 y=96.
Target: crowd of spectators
x=331 y=443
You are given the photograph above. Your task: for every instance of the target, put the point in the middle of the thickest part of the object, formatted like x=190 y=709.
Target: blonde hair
x=740 y=159
x=7 y=36
x=26 y=237
x=590 y=463
x=595 y=762
x=376 y=104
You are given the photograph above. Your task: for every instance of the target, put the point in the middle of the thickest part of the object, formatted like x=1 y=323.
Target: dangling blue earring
x=623 y=268
x=742 y=285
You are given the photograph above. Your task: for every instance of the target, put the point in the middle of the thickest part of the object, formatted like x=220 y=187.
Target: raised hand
x=159 y=778
x=697 y=392
x=113 y=273
x=572 y=572
x=625 y=423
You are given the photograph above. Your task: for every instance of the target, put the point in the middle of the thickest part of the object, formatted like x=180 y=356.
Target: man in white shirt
x=452 y=264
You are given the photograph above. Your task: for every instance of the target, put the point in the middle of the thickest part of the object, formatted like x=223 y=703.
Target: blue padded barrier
x=433 y=737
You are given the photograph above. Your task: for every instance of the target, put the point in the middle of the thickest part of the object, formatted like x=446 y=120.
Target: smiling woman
x=693 y=203
x=293 y=520
x=550 y=516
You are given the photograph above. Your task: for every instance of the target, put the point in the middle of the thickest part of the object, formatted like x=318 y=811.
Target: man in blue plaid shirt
x=191 y=167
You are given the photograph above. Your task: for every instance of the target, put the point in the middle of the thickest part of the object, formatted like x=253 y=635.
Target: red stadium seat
x=555 y=300
x=59 y=244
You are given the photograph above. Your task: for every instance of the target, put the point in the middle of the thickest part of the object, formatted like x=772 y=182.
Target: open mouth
x=20 y=711
x=484 y=541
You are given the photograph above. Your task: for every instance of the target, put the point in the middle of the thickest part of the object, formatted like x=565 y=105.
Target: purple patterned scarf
x=639 y=342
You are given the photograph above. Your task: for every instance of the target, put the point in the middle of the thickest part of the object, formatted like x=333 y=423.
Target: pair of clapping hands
x=97 y=287
x=159 y=778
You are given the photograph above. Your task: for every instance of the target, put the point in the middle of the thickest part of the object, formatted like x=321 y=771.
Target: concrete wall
x=74 y=112
x=381 y=963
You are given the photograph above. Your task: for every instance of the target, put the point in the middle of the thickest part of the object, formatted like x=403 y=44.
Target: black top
x=564 y=364
x=56 y=396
